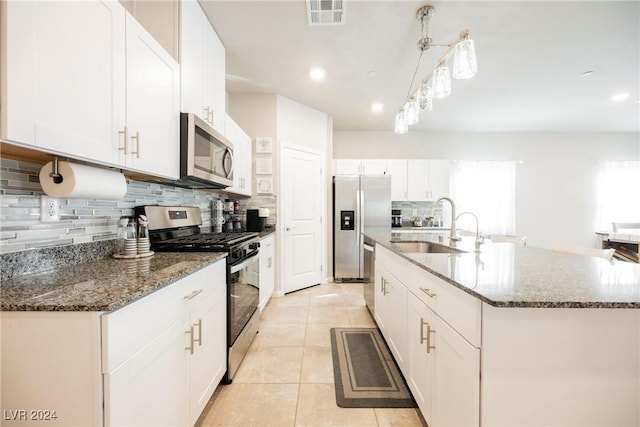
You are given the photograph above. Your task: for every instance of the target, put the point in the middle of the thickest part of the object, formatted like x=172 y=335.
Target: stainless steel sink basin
x=423 y=247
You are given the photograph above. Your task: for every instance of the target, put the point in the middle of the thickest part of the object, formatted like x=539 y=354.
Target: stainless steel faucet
x=452 y=235
x=479 y=238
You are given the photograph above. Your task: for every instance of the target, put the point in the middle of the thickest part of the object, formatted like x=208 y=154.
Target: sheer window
x=619 y=192
x=488 y=189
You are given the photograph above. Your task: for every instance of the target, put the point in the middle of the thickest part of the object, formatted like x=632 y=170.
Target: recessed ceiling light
x=620 y=97
x=587 y=73
x=317 y=74
x=373 y=73
x=377 y=107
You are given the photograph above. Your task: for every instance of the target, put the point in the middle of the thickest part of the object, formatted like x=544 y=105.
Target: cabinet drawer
x=130 y=328
x=459 y=309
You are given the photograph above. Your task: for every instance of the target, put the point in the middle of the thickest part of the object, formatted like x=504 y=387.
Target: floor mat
x=366 y=376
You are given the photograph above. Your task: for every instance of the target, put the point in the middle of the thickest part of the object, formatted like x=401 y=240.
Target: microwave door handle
x=227 y=155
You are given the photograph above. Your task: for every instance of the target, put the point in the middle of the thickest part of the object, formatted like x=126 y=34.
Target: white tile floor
x=286 y=378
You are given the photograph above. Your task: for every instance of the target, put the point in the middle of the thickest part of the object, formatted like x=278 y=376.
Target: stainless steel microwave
x=206 y=156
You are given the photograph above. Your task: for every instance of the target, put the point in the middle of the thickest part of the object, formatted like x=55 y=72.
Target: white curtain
x=487 y=189
x=619 y=192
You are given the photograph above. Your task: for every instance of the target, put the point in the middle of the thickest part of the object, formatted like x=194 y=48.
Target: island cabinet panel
x=440 y=363
x=51 y=369
x=559 y=367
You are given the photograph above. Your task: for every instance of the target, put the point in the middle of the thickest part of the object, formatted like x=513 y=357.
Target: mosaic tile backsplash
x=84 y=221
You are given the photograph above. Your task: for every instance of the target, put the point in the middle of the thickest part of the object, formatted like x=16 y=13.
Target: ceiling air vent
x=325 y=12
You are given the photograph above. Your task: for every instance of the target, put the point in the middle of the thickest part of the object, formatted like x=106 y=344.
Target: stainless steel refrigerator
x=359 y=201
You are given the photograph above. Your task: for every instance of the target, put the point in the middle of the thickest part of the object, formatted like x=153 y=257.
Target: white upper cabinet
x=65 y=77
x=153 y=105
x=398 y=171
x=85 y=80
x=423 y=179
x=360 y=166
x=242 y=158
x=202 y=62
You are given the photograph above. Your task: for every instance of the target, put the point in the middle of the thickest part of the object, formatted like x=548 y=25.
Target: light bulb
x=441 y=82
x=401 y=124
x=412 y=112
x=465 y=64
x=426 y=96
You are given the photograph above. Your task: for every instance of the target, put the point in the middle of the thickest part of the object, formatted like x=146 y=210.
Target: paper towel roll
x=83 y=182
x=263 y=212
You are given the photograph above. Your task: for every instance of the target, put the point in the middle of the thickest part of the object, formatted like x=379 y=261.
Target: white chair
x=581 y=250
x=521 y=241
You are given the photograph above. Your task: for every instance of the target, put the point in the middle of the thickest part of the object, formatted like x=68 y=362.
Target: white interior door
x=303 y=208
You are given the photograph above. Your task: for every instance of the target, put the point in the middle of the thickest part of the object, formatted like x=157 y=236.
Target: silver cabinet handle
x=199 y=325
x=429 y=332
x=193 y=294
x=269 y=262
x=137 y=138
x=422 y=337
x=190 y=332
x=126 y=140
x=429 y=292
x=367 y=247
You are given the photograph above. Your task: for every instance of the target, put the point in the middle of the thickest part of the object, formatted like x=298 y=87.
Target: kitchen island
x=114 y=342
x=511 y=335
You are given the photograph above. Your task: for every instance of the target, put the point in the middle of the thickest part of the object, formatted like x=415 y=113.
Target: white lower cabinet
x=151 y=387
x=441 y=367
x=390 y=312
x=168 y=376
x=267 y=277
x=155 y=361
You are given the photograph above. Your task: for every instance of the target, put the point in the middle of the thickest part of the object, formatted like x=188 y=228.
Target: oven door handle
x=237 y=267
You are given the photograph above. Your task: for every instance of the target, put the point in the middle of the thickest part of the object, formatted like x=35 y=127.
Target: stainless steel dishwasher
x=369 y=276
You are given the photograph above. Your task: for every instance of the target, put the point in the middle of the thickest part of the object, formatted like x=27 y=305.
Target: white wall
x=285 y=121
x=556 y=181
x=302 y=125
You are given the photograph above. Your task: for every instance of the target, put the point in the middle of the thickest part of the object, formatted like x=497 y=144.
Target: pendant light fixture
x=437 y=83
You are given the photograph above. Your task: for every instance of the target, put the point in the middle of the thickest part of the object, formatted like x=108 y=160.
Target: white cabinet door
x=380 y=302
x=192 y=54
x=347 y=167
x=202 y=63
x=373 y=167
x=242 y=158
x=214 y=79
x=438 y=171
x=153 y=104
x=420 y=366
x=267 y=270
x=456 y=378
x=417 y=180
x=65 y=77
x=152 y=387
x=398 y=171
x=208 y=363
x=390 y=312
x=396 y=294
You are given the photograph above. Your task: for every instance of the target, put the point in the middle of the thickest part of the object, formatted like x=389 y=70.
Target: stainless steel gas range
x=177 y=229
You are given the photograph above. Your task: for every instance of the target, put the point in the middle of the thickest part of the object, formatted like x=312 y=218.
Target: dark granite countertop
x=100 y=285
x=508 y=275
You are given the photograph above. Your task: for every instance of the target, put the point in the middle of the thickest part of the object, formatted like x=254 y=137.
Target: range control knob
x=255 y=245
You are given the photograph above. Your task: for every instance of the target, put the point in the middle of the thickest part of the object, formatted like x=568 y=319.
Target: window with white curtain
x=619 y=192
x=487 y=189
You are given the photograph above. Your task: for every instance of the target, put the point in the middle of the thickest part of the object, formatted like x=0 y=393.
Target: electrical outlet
x=49 y=209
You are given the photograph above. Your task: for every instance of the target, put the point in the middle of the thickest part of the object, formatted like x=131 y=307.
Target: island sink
x=423 y=247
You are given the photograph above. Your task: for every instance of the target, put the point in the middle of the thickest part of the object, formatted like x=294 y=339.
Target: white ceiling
x=531 y=56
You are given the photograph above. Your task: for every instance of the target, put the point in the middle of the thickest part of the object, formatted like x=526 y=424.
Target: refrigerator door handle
x=358 y=218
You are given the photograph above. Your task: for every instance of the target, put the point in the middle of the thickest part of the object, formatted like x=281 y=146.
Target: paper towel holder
x=57 y=178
